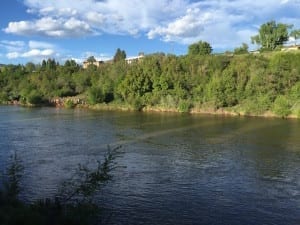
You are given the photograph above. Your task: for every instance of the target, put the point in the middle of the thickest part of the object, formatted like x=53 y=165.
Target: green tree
x=95 y=95
x=70 y=67
x=271 y=35
x=294 y=93
x=200 y=48
x=119 y=55
x=30 y=67
x=241 y=50
x=91 y=59
x=282 y=106
x=35 y=98
x=295 y=34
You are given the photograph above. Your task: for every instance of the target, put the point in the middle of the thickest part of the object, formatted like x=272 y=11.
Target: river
x=174 y=168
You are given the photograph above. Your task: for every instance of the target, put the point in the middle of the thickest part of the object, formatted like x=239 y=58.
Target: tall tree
x=200 y=48
x=91 y=59
x=295 y=34
x=120 y=55
x=241 y=50
x=271 y=35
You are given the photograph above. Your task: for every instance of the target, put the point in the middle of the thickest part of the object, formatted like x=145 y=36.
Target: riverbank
x=250 y=85
x=205 y=111
x=79 y=102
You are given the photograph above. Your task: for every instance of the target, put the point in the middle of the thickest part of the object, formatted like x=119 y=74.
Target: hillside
x=248 y=84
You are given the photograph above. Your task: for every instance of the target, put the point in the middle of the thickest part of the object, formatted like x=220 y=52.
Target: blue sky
x=32 y=30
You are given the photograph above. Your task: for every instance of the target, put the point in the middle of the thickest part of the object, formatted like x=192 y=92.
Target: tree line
x=241 y=83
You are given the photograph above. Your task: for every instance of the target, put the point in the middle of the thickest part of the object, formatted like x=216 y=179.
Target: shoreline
x=193 y=111
x=154 y=109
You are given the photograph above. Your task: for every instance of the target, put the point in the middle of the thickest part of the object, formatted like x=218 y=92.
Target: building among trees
x=86 y=64
x=135 y=58
x=120 y=55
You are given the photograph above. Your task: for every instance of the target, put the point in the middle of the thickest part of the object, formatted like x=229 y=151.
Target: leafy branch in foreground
x=73 y=206
x=14 y=174
x=87 y=181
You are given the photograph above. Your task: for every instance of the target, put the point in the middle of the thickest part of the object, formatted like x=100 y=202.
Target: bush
x=168 y=102
x=35 y=98
x=295 y=109
x=3 y=97
x=69 y=104
x=281 y=106
x=258 y=105
x=95 y=95
x=184 y=106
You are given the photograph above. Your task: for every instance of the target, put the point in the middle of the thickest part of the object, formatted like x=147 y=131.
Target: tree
x=51 y=64
x=91 y=59
x=95 y=95
x=30 y=67
x=271 y=35
x=44 y=64
x=120 y=55
x=295 y=34
x=200 y=48
x=241 y=50
x=281 y=106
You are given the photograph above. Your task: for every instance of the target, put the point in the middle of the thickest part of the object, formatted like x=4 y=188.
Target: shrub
x=35 y=98
x=258 y=105
x=95 y=95
x=281 y=106
x=69 y=104
x=184 y=106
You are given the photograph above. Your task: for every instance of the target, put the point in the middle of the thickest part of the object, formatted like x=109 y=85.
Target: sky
x=33 y=30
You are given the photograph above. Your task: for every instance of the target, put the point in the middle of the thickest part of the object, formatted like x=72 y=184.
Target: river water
x=174 y=168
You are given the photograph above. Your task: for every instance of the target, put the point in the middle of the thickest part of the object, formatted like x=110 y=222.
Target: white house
x=135 y=58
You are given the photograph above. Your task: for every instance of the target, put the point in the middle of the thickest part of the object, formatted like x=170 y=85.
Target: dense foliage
x=272 y=35
x=120 y=55
x=247 y=83
x=200 y=48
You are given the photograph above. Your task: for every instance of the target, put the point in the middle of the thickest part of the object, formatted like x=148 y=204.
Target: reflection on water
x=176 y=168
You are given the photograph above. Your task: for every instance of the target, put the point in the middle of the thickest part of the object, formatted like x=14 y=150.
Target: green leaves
x=295 y=34
x=241 y=50
x=271 y=35
x=86 y=181
x=120 y=55
x=281 y=106
x=95 y=95
x=73 y=205
x=200 y=48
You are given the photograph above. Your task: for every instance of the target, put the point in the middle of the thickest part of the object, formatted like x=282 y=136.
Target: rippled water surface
x=175 y=168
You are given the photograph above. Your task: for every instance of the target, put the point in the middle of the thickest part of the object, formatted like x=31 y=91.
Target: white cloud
x=12 y=45
x=66 y=18
x=48 y=26
x=184 y=28
x=223 y=23
x=39 y=44
x=33 y=50
x=95 y=18
x=98 y=56
x=12 y=55
x=284 y=1
x=33 y=53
